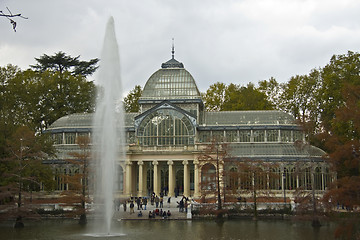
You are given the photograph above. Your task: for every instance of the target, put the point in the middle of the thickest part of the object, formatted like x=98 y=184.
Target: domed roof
x=172 y=81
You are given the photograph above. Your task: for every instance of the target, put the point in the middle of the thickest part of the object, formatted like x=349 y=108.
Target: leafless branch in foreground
x=10 y=16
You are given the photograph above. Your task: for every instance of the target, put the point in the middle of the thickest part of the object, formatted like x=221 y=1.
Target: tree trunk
x=18 y=222
x=83 y=219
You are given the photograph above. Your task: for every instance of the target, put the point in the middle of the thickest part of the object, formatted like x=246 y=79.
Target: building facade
x=170 y=135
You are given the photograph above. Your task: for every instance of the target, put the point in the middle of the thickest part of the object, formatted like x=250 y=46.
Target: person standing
x=124 y=205
x=145 y=202
x=132 y=207
x=138 y=202
x=161 y=201
x=157 y=200
x=169 y=200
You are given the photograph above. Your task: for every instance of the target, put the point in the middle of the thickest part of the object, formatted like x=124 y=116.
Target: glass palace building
x=167 y=138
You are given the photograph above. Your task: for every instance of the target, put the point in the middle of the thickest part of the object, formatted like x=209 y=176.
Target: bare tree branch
x=10 y=15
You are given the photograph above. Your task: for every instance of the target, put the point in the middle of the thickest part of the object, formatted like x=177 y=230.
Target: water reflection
x=202 y=230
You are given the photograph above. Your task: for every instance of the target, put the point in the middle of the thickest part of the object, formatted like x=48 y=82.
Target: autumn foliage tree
x=212 y=180
x=253 y=176
x=22 y=171
x=78 y=193
x=341 y=139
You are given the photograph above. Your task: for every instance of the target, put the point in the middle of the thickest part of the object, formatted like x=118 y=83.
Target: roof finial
x=173 y=48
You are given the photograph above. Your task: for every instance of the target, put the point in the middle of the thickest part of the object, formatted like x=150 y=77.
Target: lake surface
x=174 y=229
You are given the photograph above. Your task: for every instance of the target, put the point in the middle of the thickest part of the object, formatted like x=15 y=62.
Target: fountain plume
x=108 y=137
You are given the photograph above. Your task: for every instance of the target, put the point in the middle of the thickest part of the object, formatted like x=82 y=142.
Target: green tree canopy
x=342 y=69
x=299 y=96
x=220 y=97
x=245 y=98
x=131 y=101
x=60 y=62
x=214 y=97
x=37 y=99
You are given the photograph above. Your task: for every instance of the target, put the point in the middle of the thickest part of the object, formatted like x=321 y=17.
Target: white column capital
x=185 y=162
x=155 y=162
x=140 y=163
x=196 y=162
x=170 y=162
x=129 y=163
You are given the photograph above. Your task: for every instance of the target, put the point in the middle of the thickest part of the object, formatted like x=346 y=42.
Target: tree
x=245 y=98
x=60 y=62
x=340 y=105
x=273 y=90
x=299 y=96
x=6 y=125
x=342 y=69
x=63 y=95
x=131 y=101
x=253 y=176
x=214 y=97
x=78 y=181
x=22 y=171
x=342 y=141
x=10 y=16
x=37 y=99
x=345 y=194
x=220 y=97
x=212 y=179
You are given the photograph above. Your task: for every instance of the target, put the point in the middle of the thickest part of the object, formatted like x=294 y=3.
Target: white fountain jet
x=108 y=137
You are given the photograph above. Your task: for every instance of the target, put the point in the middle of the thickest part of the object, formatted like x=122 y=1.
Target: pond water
x=175 y=229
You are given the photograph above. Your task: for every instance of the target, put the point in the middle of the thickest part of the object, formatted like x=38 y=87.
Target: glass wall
x=70 y=138
x=58 y=138
x=298 y=136
x=272 y=135
x=259 y=135
x=231 y=136
x=244 y=135
x=285 y=135
x=166 y=127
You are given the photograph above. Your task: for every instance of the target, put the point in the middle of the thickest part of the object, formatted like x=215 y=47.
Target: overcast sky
x=217 y=40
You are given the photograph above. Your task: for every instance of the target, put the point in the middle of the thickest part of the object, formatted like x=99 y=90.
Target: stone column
x=171 y=179
x=128 y=182
x=141 y=179
x=156 y=178
x=196 y=179
x=297 y=181
x=186 y=178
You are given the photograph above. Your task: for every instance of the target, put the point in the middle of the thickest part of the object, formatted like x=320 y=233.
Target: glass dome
x=172 y=81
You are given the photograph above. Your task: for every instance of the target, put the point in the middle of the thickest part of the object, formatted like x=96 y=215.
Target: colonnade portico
x=142 y=177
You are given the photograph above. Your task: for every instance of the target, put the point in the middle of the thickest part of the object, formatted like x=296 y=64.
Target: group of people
x=159 y=213
x=183 y=204
x=141 y=204
x=158 y=201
